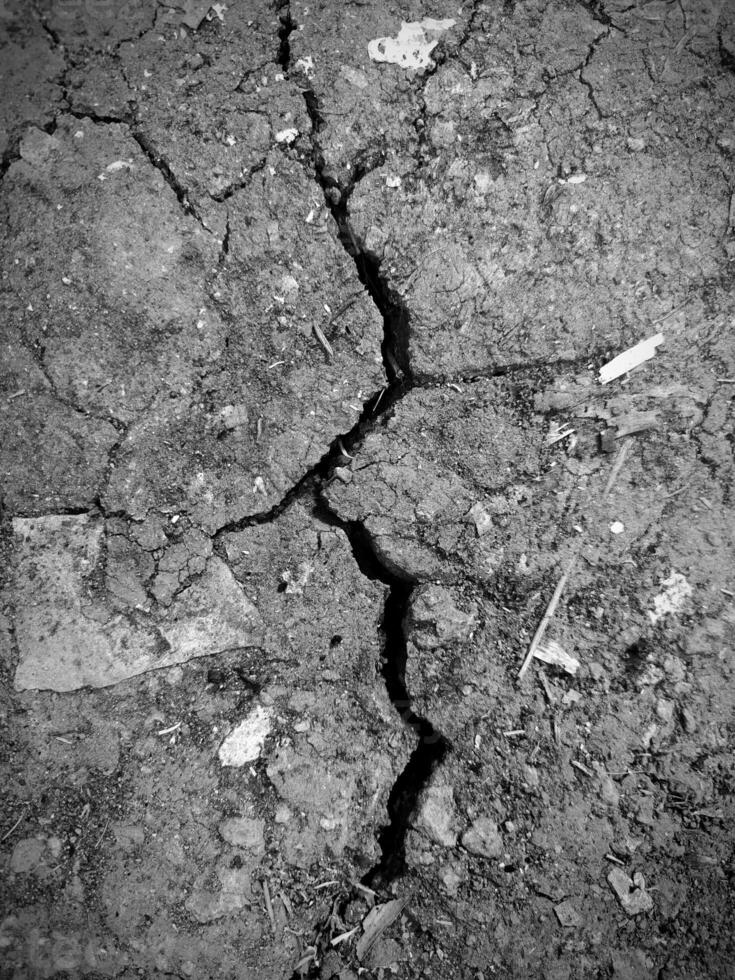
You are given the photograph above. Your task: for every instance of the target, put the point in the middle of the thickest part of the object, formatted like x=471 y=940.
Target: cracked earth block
x=147 y=329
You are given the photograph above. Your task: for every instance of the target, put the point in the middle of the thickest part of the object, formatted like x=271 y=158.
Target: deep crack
x=432 y=746
x=390 y=305
x=349 y=442
x=288 y=26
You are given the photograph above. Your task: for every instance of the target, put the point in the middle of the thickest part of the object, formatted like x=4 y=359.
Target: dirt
x=303 y=431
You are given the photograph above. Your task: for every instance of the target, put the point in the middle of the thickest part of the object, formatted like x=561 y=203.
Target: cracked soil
x=302 y=425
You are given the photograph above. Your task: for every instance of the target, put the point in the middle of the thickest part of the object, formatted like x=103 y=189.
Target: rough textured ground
x=288 y=332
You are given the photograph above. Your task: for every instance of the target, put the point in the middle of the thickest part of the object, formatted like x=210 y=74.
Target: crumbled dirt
x=302 y=426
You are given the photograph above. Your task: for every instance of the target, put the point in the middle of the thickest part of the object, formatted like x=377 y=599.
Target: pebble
x=28 y=855
x=483 y=838
x=437 y=815
x=244 y=832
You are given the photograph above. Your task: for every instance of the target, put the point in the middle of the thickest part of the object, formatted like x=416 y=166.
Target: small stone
x=245 y=742
x=631 y=965
x=206 y=906
x=282 y=814
x=608 y=790
x=450 y=879
x=196 y=61
x=645 y=811
x=607 y=440
x=664 y=710
x=597 y=671
x=631 y=894
x=435 y=620
x=567 y=914
x=674 y=669
x=343 y=474
x=689 y=721
x=244 y=832
x=28 y=855
x=483 y=838
x=636 y=144
x=437 y=815
x=481 y=519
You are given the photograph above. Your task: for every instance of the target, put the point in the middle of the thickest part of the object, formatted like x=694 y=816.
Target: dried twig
x=583 y=768
x=319 y=334
x=15 y=825
x=268 y=904
x=617 y=466
x=548 y=615
x=102 y=835
x=561 y=584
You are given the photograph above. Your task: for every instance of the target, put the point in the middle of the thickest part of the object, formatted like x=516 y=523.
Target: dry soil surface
x=304 y=307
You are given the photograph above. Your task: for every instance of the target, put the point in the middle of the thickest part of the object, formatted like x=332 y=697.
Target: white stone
x=413 y=45
x=245 y=742
x=676 y=591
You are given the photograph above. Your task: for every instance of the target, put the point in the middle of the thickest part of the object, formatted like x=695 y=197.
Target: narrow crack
x=161 y=164
x=46 y=27
x=585 y=64
x=224 y=249
x=596 y=10
x=390 y=305
x=430 y=751
x=240 y=184
x=125 y=120
x=288 y=26
x=9 y=157
x=727 y=59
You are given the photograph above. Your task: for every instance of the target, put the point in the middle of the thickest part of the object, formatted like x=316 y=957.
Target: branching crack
x=373 y=410
x=390 y=305
x=585 y=64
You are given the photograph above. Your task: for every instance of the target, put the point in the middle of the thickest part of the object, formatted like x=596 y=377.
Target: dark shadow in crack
x=339 y=453
x=288 y=26
x=390 y=305
x=432 y=747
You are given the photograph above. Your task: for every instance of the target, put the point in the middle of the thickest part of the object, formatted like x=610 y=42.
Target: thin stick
x=102 y=835
x=17 y=822
x=617 y=466
x=268 y=905
x=319 y=334
x=550 y=610
x=561 y=584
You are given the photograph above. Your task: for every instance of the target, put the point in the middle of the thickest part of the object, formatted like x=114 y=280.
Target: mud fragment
x=69 y=637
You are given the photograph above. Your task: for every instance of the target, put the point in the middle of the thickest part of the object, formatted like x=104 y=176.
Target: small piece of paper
x=630 y=358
